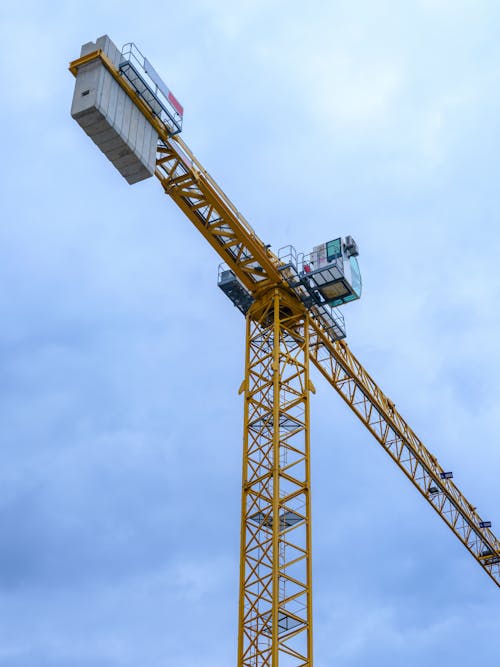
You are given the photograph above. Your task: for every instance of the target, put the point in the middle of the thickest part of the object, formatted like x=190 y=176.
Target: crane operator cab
x=332 y=270
x=323 y=280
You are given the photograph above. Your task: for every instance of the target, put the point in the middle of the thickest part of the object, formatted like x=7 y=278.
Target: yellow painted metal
x=378 y=413
x=211 y=211
x=198 y=195
x=99 y=54
x=85 y=60
x=275 y=606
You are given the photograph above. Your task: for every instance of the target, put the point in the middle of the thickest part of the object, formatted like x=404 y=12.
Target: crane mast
x=275 y=607
x=289 y=302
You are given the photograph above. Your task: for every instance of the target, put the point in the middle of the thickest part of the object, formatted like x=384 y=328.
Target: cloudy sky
x=120 y=435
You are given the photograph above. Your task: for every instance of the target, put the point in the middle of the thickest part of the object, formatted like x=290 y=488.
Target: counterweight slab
x=110 y=118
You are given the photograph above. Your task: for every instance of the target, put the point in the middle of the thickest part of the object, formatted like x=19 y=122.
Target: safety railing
x=151 y=88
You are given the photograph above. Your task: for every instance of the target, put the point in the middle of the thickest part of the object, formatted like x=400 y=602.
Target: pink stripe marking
x=175 y=104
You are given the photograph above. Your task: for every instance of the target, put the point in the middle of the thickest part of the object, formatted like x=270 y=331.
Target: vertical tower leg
x=275 y=610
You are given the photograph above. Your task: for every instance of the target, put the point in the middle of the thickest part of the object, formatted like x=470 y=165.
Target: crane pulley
x=291 y=305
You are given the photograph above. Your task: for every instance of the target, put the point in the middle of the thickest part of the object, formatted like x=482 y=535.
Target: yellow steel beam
x=378 y=413
x=99 y=54
x=197 y=194
x=275 y=606
x=214 y=215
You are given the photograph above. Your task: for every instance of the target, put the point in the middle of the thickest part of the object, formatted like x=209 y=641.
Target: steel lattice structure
x=378 y=413
x=283 y=337
x=275 y=618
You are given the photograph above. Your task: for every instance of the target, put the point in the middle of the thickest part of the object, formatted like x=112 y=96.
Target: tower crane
x=291 y=306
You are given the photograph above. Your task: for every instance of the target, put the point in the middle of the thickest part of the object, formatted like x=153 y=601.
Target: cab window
x=333 y=250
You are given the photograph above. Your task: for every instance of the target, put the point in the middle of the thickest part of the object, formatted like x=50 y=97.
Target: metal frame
x=150 y=87
x=215 y=216
x=331 y=319
x=275 y=607
x=286 y=329
x=378 y=413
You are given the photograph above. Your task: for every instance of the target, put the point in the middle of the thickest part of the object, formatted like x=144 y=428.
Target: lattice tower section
x=275 y=619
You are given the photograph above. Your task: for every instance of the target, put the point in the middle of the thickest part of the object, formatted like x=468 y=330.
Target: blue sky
x=121 y=360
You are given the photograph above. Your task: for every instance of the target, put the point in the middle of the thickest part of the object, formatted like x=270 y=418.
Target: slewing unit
x=323 y=280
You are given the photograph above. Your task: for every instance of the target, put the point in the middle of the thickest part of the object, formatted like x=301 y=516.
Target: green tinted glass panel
x=355 y=275
x=333 y=250
x=345 y=299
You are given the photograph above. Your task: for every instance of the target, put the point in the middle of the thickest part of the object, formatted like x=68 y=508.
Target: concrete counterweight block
x=111 y=119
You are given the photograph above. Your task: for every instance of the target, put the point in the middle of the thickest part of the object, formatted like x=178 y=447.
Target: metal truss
x=198 y=195
x=283 y=336
x=275 y=618
x=215 y=216
x=348 y=377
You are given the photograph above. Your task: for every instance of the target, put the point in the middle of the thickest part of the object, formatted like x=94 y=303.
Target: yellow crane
x=290 y=303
